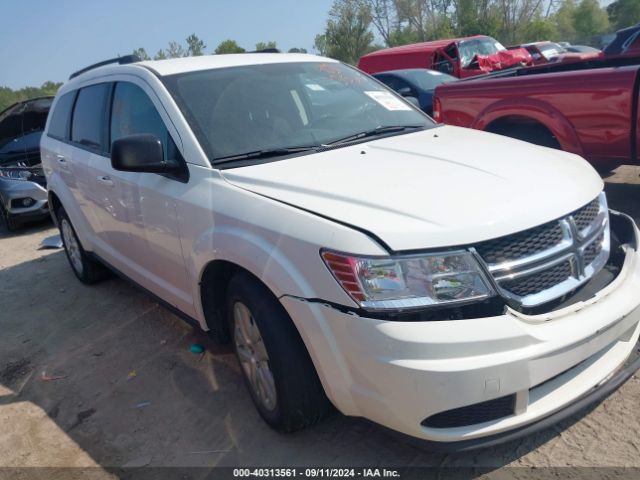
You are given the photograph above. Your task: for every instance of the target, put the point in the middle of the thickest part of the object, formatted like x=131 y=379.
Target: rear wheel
x=276 y=366
x=84 y=267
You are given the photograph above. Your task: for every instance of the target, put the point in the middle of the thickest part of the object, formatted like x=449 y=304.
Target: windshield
x=550 y=50
x=237 y=110
x=480 y=46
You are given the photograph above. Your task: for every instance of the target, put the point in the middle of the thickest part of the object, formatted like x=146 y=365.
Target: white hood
x=443 y=187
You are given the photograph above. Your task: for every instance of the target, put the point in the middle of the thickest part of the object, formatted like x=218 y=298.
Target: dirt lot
x=123 y=388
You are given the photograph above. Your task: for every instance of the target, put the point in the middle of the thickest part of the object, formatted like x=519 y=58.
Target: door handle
x=61 y=159
x=106 y=180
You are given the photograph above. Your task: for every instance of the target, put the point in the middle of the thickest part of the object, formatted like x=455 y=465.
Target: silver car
x=23 y=193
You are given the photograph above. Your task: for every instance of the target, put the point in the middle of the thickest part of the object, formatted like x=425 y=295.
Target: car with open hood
x=23 y=193
x=454 y=285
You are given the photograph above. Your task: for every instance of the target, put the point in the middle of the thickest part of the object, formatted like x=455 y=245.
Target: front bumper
x=400 y=374
x=12 y=190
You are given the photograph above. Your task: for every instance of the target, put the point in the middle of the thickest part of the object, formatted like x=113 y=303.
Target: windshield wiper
x=374 y=132
x=264 y=153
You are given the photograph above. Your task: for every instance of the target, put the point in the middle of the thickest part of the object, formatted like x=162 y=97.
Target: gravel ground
x=103 y=377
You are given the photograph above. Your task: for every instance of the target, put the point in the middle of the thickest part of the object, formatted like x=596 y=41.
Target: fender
x=256 y=254
x=536 y=110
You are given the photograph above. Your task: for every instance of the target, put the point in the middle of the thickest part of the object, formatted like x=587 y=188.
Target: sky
x=44 y=40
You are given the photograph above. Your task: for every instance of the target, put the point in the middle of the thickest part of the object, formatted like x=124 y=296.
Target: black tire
x=85 y=268
x=8 y=220
x=300 y=400
x=536 y=134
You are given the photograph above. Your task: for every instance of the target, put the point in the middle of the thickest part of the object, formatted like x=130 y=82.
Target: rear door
x=88 y=160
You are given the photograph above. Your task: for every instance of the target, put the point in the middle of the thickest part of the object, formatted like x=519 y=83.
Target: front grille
x=521 y=245
x=528 y=265
x=586 y=215
x=536 y=283
x=472 y=414
x=593 y=250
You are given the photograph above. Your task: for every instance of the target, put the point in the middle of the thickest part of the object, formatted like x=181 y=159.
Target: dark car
x=23 y=193
x=415 y=84
x=626 y=42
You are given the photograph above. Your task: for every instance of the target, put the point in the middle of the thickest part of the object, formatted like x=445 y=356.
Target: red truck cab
x=460 y=57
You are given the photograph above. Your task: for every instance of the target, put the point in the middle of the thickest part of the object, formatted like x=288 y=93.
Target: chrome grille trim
x=585 y=244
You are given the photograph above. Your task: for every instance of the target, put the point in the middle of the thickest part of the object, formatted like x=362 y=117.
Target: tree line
x=356 y=27
x=194 y=46
x=8 y=96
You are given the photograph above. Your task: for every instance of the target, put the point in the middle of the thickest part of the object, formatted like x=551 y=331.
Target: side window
x=88 y=116
x=61 y=117
x=133 y=112
x=452 y=51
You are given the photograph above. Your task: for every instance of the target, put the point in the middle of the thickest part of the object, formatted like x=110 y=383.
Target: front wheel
x=278 y=371
x=9 y=221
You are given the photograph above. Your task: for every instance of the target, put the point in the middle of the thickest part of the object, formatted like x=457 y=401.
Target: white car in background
x=457 y=286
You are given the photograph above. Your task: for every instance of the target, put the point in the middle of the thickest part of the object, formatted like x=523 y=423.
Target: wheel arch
x=532 y=112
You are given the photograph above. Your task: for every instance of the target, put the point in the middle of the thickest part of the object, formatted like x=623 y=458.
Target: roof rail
x=266 y=50
x=119 y=60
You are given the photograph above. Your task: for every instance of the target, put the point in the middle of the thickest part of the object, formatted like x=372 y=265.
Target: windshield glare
x=245 y=109
x=481 y=46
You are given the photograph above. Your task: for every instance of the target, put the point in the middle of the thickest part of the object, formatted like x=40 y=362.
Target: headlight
x=384 y=283
x=15 y=173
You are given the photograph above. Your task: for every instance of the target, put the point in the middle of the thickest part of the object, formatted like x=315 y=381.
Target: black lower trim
x=597 y=394
x=173 y=309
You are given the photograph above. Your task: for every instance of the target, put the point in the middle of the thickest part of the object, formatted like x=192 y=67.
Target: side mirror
x=141 y=153
x=405 y=91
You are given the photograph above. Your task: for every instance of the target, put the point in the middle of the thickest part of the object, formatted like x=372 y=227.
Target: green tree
x=228 y=46
x=195 y=46
x=175 y=50
x=539 y=29
x=320 y=44
x=8 y=96
x=265 y=46
x=473 y=17
x=160 y=55
x=624 y=13
x=297 y=50
x=347 y=36
x=589 y=20
x=141 y=53
x=564 y=21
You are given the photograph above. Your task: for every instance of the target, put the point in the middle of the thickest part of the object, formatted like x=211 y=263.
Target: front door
x=147 y=200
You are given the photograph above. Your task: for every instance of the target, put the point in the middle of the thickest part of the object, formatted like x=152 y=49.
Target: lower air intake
x=472 y=414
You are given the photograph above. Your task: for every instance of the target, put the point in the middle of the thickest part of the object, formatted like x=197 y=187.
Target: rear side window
x=61 y=117
x=87 y=127
x=133 y=112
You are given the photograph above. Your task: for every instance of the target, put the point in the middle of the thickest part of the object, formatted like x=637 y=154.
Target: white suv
x=453 y=285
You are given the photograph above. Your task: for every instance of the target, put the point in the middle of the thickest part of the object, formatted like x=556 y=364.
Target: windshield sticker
x=315 y=87
x=388 y=101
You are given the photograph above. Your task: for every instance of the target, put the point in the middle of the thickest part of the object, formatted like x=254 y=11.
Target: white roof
x=206 y=62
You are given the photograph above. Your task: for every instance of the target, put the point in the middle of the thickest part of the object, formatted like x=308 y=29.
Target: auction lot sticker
x=388 y=100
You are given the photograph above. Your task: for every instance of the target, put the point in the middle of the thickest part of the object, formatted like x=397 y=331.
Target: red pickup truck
x=589 y=108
